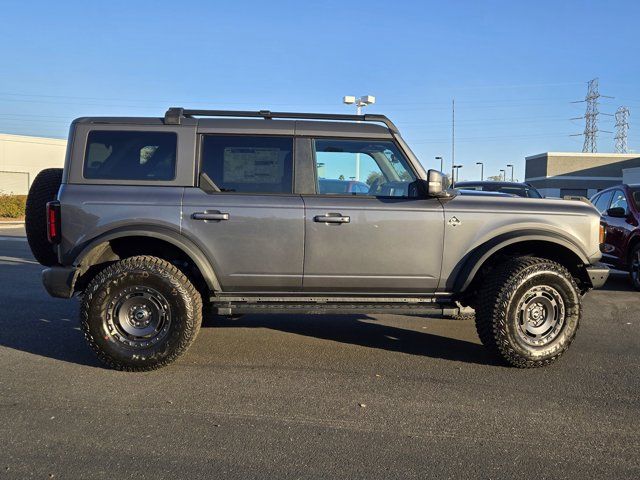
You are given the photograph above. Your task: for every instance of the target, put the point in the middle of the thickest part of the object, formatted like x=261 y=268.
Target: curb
x=18 y=222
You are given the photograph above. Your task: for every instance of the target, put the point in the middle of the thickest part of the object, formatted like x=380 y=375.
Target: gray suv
x=155 y=220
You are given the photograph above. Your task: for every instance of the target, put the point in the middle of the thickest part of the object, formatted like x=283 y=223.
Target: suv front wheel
x=140 y=313
x=528 y=311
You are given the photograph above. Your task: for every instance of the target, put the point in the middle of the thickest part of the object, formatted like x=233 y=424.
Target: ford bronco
x=154 y=220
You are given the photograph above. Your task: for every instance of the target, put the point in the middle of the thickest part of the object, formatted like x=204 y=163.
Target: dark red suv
x=620 y=210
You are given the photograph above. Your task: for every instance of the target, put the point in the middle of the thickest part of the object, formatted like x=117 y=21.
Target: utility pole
x=622 y=129
x=511 y=171
x=591 y=117
x=481 y=170
x=453 y=138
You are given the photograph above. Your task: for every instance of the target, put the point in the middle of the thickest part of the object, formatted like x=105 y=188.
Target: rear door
x=253 y=228
x=381 y=240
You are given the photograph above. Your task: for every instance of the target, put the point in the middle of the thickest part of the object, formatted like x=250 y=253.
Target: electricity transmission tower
x=622 y=128
x=591 y=117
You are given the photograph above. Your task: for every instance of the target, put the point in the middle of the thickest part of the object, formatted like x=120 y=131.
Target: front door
x=618 y=229
x=252 y=229
x=365 y=233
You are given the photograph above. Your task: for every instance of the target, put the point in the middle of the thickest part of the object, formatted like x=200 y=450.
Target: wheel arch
x=535 y=243
x=140 y=240
x=633 y=241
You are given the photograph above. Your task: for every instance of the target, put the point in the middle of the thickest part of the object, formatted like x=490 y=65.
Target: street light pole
x=456 y=170
x=359 y=103
x=504 y=175
x=441 y=162
x=511 y=171
x=481 y=170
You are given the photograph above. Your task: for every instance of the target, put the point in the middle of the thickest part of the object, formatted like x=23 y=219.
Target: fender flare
x=468 y=267
x=188 y=246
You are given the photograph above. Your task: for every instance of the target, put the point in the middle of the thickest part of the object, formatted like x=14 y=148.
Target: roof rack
x=175 y=114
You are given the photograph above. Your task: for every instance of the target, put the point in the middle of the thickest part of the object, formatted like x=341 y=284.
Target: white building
x=22 y=158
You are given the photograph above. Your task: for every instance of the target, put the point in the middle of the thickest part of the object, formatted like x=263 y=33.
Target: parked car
x=513 y=188
x=327 y=185
x=154 y=220
x=620 y=210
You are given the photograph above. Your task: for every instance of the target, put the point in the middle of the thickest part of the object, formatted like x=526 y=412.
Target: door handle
x=210 y=216
x=331 y=218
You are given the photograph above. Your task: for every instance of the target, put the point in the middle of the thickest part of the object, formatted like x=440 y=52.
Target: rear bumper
x=60 y=281
x=598 y=274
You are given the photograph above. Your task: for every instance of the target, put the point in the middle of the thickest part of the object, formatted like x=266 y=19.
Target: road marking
x=12 y=239
x=17 y=260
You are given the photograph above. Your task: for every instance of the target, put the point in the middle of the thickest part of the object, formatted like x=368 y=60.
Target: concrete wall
x=22 y=158
x=631 y=175
x=553 y=172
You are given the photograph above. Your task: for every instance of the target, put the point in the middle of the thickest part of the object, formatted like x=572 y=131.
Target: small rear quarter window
x=126 y=155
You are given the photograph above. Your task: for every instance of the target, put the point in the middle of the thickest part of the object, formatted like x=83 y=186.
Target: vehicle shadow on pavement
x=364 y=331
x=56 y=338
x=33 y=322
x=618 y=281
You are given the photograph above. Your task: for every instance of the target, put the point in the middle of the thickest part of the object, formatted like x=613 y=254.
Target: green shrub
x=12 y=206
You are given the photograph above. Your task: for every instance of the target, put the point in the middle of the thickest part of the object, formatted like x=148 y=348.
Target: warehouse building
x=22 y=158
x=560 y=174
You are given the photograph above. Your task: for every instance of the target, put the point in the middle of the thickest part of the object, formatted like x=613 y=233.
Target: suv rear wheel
x=140 y=313
x=529 y=310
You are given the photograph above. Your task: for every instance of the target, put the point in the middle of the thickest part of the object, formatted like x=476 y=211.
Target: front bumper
x=598 y=274
x=60 y=281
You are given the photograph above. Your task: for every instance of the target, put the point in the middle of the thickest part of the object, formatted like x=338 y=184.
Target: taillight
x=602 y=234
x=53 y=222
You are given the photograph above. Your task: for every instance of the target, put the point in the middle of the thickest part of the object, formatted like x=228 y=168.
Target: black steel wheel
x=140 y=313
x=529 y=311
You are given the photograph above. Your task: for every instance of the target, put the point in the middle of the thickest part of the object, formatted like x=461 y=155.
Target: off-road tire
x=634 y=267
x=498 y=317
x=104 y=332
x=43 y=190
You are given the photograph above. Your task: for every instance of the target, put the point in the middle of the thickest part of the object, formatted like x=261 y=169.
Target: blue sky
x=512 y=66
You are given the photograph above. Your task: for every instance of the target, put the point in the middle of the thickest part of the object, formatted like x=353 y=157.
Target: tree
x=495 y=178
x=372 y=177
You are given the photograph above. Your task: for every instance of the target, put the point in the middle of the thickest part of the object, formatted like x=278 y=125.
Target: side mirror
x=617 y=212
x=437 y=184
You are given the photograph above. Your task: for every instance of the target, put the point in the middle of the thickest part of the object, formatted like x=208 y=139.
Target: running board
x=340 y=308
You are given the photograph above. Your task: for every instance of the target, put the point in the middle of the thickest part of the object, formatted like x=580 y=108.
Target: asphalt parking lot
x=314 y=397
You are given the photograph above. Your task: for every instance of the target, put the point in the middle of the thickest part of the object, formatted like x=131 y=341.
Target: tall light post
x=503 y=174
x=511 y=171
x=481 y=170
x=359 y=103
x=441 y=163
x=456 y=169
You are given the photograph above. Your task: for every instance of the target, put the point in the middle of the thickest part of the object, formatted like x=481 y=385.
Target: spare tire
x=43 y=190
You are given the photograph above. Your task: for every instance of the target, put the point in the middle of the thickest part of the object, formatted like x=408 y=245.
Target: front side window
x=249 y=164
x=361 y=167
x=124 y=155
x=619 y=200
x=602 y=202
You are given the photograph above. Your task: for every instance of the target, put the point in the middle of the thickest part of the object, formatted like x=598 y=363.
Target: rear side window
x=249 y=164
x=120 y=155
x=602 y=202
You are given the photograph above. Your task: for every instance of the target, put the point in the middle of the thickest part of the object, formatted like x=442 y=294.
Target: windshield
x=518 y=190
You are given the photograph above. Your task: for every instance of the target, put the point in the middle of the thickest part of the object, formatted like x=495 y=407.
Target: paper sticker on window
x=252 y=165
